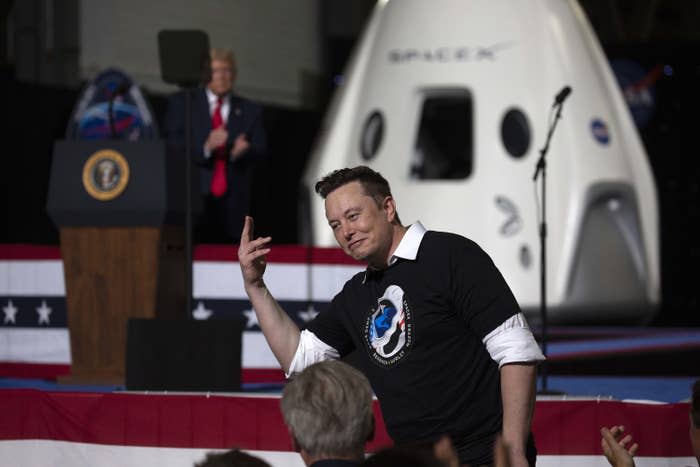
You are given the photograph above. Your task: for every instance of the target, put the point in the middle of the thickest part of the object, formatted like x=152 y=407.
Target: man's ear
x=389 y=207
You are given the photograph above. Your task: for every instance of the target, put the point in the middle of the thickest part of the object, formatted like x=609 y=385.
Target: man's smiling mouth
x=355 y=243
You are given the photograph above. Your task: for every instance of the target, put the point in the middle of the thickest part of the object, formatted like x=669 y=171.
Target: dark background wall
x=650 y=33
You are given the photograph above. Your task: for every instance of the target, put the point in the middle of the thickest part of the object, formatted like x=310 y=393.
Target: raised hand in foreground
x=615 y=448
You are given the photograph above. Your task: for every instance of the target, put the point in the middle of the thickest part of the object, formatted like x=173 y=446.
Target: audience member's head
x=231 y=458
x=328 y=410
x=412 y=455
x=695 y=420
x=418 y=454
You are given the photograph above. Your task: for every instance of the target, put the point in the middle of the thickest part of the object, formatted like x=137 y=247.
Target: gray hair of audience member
x=328 y=410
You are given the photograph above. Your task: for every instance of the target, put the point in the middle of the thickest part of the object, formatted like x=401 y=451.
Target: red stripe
x=33 y=370
x=22 y=251
x=279 y=254
x=211 y=421
x=262 y=375
x=184 y=421
x=332 y=256
x=573 y=427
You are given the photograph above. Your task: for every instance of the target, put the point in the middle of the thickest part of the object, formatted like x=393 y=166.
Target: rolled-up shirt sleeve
x=310 y=350
x=513 y=342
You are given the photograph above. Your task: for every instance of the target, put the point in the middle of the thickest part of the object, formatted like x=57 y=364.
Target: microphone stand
x=121 y=89
x=541 y=169
x=188 y=202
x=110 y=115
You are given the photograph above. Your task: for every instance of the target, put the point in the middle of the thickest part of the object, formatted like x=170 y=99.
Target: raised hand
x=615 y=446
x=251 y=255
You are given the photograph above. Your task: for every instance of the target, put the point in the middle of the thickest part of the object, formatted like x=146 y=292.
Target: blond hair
x=224 y=55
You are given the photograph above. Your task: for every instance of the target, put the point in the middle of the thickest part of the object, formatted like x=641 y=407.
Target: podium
x=119 y=209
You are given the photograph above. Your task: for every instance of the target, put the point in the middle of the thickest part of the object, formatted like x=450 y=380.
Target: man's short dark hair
x=398 y=456
x=695 y=404
x=231 y=458
x=372 y=182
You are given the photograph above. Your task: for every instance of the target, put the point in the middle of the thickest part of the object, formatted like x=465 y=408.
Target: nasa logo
x=105 y=175
x=389 y=328
x=638 y=87
x=600 y=131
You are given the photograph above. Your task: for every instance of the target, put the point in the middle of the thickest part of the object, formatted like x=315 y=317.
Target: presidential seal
x=105 y=174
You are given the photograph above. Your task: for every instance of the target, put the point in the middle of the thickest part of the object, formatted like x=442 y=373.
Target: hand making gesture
x=615 y=448
x=251 y=255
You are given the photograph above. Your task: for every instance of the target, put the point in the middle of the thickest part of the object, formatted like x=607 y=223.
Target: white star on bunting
x=308 y=314
x=44 y=312
x=10 y=312
x=252 y=318
x=201 y=312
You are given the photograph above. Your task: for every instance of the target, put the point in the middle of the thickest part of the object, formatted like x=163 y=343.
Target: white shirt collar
x=408 y=246
x=212 y=98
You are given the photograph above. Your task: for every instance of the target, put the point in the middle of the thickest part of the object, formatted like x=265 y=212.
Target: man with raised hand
x=440 y=335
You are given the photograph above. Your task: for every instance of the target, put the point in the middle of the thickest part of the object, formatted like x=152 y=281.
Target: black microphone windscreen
x=563 y=94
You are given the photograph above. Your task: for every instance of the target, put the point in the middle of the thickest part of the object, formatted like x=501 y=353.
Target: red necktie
x=218 y=179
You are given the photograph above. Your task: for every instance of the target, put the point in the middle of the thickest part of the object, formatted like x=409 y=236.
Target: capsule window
x=444 y=143
x=372 y=135
x=515 y=133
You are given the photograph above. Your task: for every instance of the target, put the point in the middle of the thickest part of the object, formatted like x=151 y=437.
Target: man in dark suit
x=228 y=138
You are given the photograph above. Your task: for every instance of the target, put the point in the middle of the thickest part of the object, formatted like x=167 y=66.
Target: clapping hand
x=240 y=146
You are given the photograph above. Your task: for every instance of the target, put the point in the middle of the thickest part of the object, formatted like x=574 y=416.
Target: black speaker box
x=183 y=355
x=184 y=56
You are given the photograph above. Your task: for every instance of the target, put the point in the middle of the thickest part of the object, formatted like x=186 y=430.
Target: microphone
x=562 y=95
x=123 y=87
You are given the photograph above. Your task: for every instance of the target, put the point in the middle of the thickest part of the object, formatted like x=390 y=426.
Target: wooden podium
x=118 y=208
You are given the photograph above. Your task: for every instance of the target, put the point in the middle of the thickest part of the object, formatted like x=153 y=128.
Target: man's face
x=221 y=77
x=362 y=229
